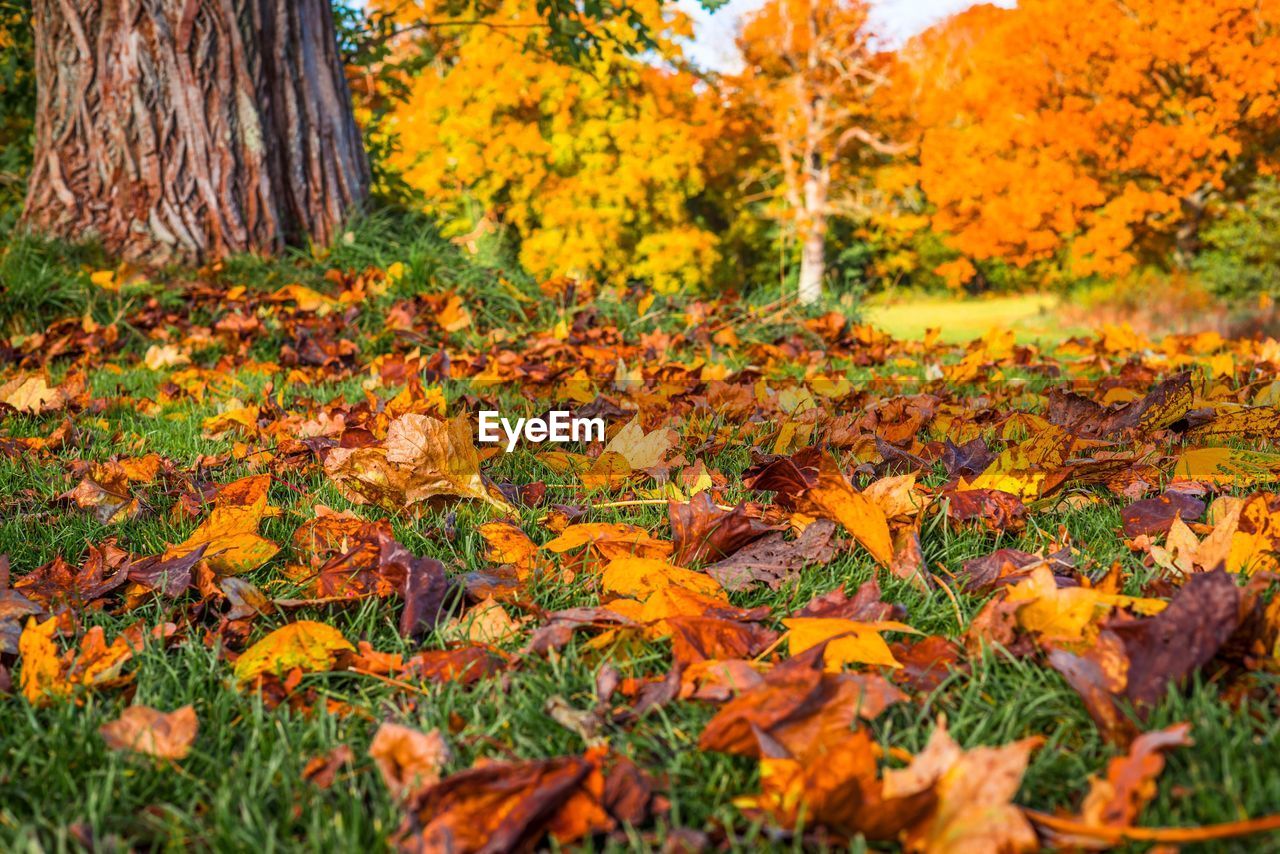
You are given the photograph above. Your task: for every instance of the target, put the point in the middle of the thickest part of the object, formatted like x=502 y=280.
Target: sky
x=897 y=20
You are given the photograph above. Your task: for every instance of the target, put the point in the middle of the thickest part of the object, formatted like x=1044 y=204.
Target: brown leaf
x=1138 y=659
x=1166 y=648
x=464 y=665
x=789 y=477
x=798 y=705
x=864 y=606
x=994 y=509
x=170 y=577
x=495 y=806
x=321 y=771
x=57 y=583
x=14 y=608
x=561 y=625
x=628 y=792
x=143 y=730
x=702 y=638
x=1084 y=416
x=1009 y=566
x=774 y=560
x=926 y=663
x=702 y=531
x=427 y=592
x=1155 y=515
x=408 y=759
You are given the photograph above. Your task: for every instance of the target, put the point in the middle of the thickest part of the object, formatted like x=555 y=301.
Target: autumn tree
x=590 y=163
x=811 y=74
x=1102 y=134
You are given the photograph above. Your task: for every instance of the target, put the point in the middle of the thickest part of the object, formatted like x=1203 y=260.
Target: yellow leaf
x=852 y=642
x=640 y=450
x=169 y=356
x=859 y=515
x=895 y=495
x=1022 y=469
x=640 y=577
x=231 y=540
x=453 y=317
x=31 y=395
x=105 y=279
x=508 y=544
x=422 y=459
x=673 y=602
x=611 y=540
x=609 y=471
x=489 y=622
x=1069 y=614
x=307 y=300
x=441 y=457
x=1227 y=465
x=1255 y=540
x=308 y=645
x=41 y=668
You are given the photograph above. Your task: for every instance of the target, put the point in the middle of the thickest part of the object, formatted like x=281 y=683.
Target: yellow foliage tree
x=592 y=164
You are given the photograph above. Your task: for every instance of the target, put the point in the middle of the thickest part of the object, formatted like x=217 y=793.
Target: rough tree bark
x=186 y=130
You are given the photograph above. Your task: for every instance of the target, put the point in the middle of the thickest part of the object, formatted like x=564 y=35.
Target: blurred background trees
x=1050 y=146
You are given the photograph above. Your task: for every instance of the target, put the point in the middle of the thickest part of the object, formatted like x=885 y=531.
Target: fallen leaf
x=408 y=759
x=500 y=806
x=1116 y=799
x=846 y=641
x=1155 y=515
x=702 y=531
x=798 y=705
x=975 y=813
x=143 y=730
x=641 y=450
x=859 y=515
x=641 y=577
x=775 y=560
x=307 y=645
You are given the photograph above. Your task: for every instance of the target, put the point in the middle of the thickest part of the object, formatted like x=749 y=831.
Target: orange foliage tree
x=592 y=164
x=1101 y=134
x=810 y=78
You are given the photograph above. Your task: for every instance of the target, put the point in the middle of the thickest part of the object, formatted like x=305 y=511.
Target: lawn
x=1032 y=317
x=230 y=412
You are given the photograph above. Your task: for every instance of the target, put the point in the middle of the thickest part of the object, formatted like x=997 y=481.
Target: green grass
x=242 y=786
x=1032 y=317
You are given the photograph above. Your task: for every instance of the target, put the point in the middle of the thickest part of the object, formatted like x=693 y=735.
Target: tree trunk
x=813 y=231
x=813 y=264
x=182 y=131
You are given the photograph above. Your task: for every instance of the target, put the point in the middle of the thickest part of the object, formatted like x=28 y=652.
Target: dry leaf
x=408 y=759
x=307 y=645
x=143 y=730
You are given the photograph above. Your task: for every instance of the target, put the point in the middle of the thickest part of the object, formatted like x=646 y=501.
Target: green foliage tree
x=1242 y=254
